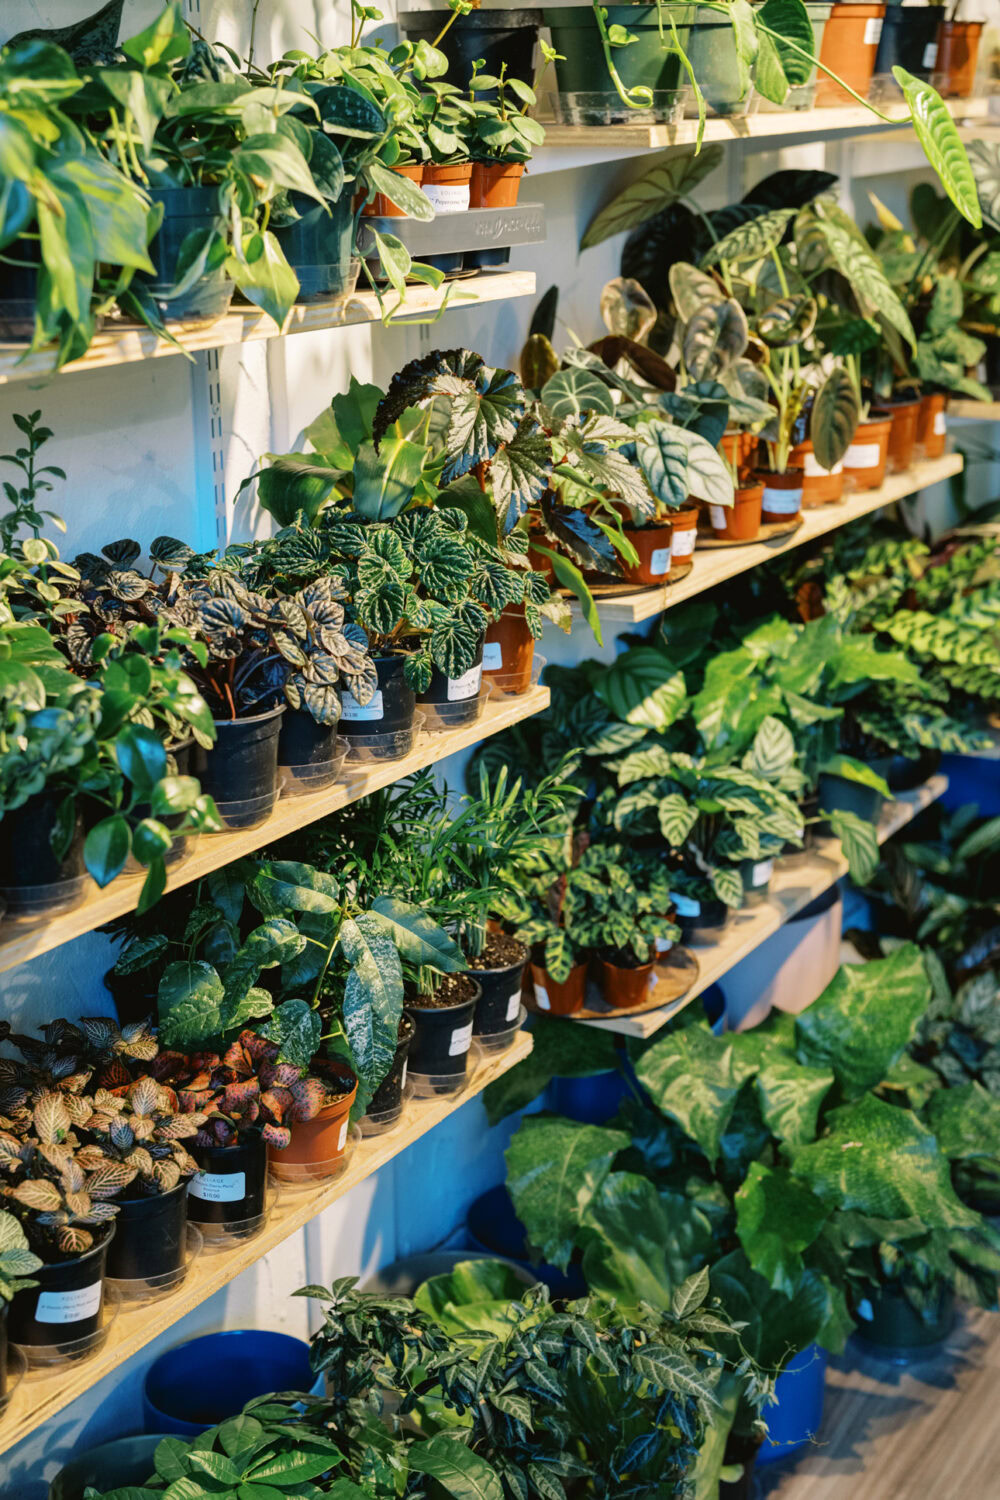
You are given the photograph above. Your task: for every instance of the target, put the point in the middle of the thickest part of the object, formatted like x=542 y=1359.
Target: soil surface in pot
x=454 y=989
x=501 y=952
x=624 y=958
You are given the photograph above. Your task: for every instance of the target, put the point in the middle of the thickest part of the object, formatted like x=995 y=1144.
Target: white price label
x=402 y=1081
x=782 y=502
x=762 y=872
x=659 y=562
x=514 y=1006
x=873 y=32
x=542 y=997
x=466 y=686
x=69 y=1307
x=219 y=1187
x=930 y=56
x=342 y=1137
x=492 y=657
x=815 y=470
x=863 y=456
x=447 y=197
x=352 y=709
x=653 y=981
x=685 y=906
x=940 y=424
x=461 y=1040
x=664 y=945
x=866 y=1311
x=717 y=514
x=682 y=543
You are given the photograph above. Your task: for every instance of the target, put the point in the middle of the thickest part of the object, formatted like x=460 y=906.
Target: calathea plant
x=616 y=904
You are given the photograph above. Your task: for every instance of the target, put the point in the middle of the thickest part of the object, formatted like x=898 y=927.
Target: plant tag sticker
x=461 y=1041
x=466 y=686
x=717 y=513
x=762 y=872
x=863 y=456
x=402 y=1081
x=664 y=945
x=69 y=1307
x=514 y=1006
x=685 y=906
x=542 y=997
x=352 y=709
x=782 y=502
x=930 y=56
x=940 y=424
x=865 y=1310
x=659 y=563
x=219 y=1187
x=492 y=657
x=653 y=980
x=682 y=543
x=815 y=470
x=449 y=197
x=873 y=35
x=342 y=1137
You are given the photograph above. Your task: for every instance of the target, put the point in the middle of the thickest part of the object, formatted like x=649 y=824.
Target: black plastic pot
x=134 y=995
x=186 y=210
x=319 y=247
x=497 y=36
x=839 y=794
x=66 y=1304
x=501 y=997
x=909 y=40
x=33 y=880
x=454 y=700
x=441 y=1041
x=389 y=714
x=123 y=1462
x=305 y=747
x=905 y=772
x=19 y=290
x=706 y=926
x=149 y=1236
x=230 y=1187
x=485 y=260
x=389 y=1094
x=992 y=361
x=241 y=769
x=897 y=1327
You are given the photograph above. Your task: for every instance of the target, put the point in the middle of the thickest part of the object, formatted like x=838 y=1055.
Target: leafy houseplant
x=617 y=904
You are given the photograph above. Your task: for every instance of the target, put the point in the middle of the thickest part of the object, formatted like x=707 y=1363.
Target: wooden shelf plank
x=792 y=889
x=975 y=411
x=43 y=1393
x=20 y=941
x=127 y=345
x=715 y=566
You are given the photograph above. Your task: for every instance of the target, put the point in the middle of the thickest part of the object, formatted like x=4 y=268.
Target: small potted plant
x=612 y=908
x=17 y=1265
x=311 y=1109
x=957 y=52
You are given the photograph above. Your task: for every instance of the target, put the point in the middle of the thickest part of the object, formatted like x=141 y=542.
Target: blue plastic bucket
x=972 y=778
x=591 y=1101
x=492 y=1225
x=207 y=1380
x=796 y=1419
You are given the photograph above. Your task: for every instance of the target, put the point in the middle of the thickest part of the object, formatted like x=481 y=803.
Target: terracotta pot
x=555 y=998
x=731 y=448
x=782 y=498
x=958 y=57
x=684 y=529
x=867 y=458
x=382 y=207
x=626 y=988
x=509 y=651
x=653 y=546
x=905 y=417
x=447 y=185
x=739 y=522
x=932 y=424
x=495 y=184
x=538 y=561
x=317 y=1144
x=819 y=486
x=850 y=46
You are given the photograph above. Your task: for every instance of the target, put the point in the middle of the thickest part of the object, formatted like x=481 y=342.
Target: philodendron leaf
x=418 y=939
x=776 y=1219
x=937 y=133
x=643 y=687
x=695 y=1077
x=750 y=241
x=554 y=1169
x=659 y=186
x=835 y=416
x=864 y=1019
x=460 y=1472
x=641 y=1245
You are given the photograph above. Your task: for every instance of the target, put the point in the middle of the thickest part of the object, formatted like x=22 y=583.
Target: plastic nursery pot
x=452 y=701
x=739 y=522
x=319 y=247
x=443 y=1023
x=241 y=769
x=387 y=1101
x=19 y=290
x=958 y=57
x=559 y=997
x=508 y=652
x=905 y=417
x=126 y=1461
x=229 y=1188
x=700 y=921
x=795 y=1419
x=782 y=497
x=149 y=1236
x=186 y=210
x=382 y=728
x=65 y=1306
x=683 y=534
x=448 y=185
x=196 y=1385
x=382 y=207
x=909 y=40
x=653 y=544
x=889 y=1322
x=756 y=875
x=932 y=424
x=308 y=755
x=626 y=987
x=134 y=995
x=867 y=459
x=499 y=1010
x=33 y=882
x=495 y=184
x=646 y=61
x=839 y=794
x=317 y=1146
x=711 y=50
x=907 y=772
x=850 y=47
x=819 y=486
x=496 y=36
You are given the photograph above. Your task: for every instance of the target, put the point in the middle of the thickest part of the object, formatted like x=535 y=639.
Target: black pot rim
x=504 y=968
x=476 y=20
x=181 y=1187
x=441 y=1010
x=77 y=1260
x=270 y=713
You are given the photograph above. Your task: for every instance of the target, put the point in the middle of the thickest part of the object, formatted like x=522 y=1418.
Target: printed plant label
x=69 y=1307
x=461 y=1041
x=352 y=709
x=219 y=1187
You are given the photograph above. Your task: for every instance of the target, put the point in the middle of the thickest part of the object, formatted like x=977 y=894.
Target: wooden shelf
x=42 y=1393
x=763 y=127
x=792 y=888
x=715 y=566
x=127 y=345
x=975 y=411
x=20 y=941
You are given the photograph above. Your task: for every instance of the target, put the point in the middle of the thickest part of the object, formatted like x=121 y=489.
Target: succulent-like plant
x=143 y=1129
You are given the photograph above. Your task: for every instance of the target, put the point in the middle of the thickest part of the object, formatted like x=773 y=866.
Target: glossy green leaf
x=554 y=1169
x=642 y=1244
x=460 y=1472
x=657 y=187
x=938 y=134
x=835 y=416
x=694 y=1077
x=776 y=1219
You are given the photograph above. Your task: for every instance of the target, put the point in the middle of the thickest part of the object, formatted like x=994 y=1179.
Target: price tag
x=352 y=709
x=762 y=872
x=514 y=1006
x=492 y=657
x=940 y=424
x=865 y=1310
x=402 y=1081
x=717 y=514
x=815 y=470
x=782 y=502
x=930 y=56
x=466 y=686
x=685 y=906
x=69 y=1307
x=542 y=997
x=682 y=543
x=342 y=1137
x=873 y=35
x=448 y=197
x=863 y=456
x=219 y=1187
x=664 y=945
x=659 y=563
x=653 y=981
x=461 y=1041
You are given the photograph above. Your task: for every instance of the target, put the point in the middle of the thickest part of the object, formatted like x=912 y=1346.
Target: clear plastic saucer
x=221 y=1236
x=439 y=717
x=150 y=1288
x=384 y=1119
x=499 y=1041
x=41 y=1356
x=29 y=903
x=508 y=684
x=249 y=813
x=605 y=107
x=436 y=1085
x=17 y=1368
x=391 y=745
x=296 y=1175
x=297 y=781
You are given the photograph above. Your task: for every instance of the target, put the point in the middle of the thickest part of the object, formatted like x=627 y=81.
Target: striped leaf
x=656 y=189
x=750 y=241
x=835 y=416
x=937 y=133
